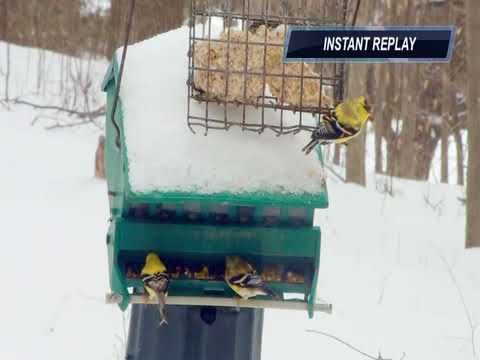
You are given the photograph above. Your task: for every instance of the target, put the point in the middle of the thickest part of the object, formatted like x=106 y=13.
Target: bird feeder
x=193 y=229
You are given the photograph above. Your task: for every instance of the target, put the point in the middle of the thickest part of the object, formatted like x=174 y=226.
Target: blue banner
x=369 y=44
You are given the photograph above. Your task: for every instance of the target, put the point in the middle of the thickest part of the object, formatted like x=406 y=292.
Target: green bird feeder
x=194 y=228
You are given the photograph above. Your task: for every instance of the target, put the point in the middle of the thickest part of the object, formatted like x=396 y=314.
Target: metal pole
x=195 y=333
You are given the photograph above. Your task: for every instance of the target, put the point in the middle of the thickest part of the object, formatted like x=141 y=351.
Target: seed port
x=139 y=211
x=165 y=212
x=192 y=212
x=271 y=216
x=218 y=214
x=245 y=214
x=298 y=216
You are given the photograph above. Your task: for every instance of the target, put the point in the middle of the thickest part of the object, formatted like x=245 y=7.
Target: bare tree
x=473 y=175
x=99 y=170
x=407 y=153
x=448 y=104
x=4 y=18
x=460 y=160
x=379 y=115
x=336 y=154
x=355 y=156
x=445 y=130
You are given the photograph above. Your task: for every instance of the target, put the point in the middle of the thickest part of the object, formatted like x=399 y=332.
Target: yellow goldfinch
x=156 y=279
x=243 y=279
x=353 y=113
x=342 y=124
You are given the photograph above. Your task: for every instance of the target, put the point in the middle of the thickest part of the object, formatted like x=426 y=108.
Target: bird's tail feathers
x=161 y=296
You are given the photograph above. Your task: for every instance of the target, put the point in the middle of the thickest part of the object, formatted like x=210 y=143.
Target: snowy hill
x=54 y=218
x=394 y=267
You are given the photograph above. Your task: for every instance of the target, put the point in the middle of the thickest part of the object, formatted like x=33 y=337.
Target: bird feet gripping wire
x=327 y=131
x=311 y=145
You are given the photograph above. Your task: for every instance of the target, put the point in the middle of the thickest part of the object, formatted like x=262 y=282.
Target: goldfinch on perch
x=243 y=279
x=156 y=280
x=344 y=123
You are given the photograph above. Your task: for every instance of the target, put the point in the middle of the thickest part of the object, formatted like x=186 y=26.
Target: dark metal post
x=195 y=333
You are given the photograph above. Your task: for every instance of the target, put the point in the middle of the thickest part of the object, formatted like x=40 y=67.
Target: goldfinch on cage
x=343 y=123
x=156 y=280
x=244 y=280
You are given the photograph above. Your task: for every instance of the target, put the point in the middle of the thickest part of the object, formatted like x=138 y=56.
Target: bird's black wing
x=252 y=281
x=246 y=280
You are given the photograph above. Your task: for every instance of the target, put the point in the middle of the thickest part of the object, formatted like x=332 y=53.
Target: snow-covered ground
x=53 y=258
x=397 y=274
x=394 y=267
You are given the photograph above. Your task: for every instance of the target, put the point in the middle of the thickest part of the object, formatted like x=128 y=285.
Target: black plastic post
x=195 y=333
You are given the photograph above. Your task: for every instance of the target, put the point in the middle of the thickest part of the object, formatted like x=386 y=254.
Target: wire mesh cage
x=237 y=76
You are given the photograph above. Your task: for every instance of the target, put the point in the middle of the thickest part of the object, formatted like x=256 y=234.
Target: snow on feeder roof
x=165 y=156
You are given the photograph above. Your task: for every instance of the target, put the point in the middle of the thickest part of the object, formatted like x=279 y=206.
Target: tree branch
x=69 y=125
x=80 y=114
x=462 y=300
x=350 y=346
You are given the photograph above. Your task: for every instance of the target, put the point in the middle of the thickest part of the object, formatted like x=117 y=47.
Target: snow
x=43 y=77
x=95 y=7
x=393 y=267
x=164 y=155
x=387 y=272
x=54 y=259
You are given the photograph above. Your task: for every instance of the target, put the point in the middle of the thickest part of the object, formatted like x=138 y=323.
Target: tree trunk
x=355 y=161
x=355 y=157
x=336 y=154
x=447 y=107
x=379 y=116
x=391 y=95
x=473 y=74
x=407 y=152
x=7 y=75
x=378 y=147
x=444 y=154
x=4 y=19
x=99 y=168
x=460 y=161
x=114 y=25
x=357 y=78
x=445 y=132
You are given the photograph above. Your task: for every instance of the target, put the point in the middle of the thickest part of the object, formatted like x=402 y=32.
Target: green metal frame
x=131 y=238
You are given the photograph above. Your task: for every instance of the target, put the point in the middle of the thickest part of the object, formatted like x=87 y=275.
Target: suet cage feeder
x=238 y=73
